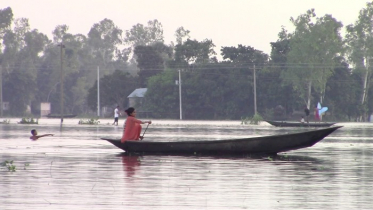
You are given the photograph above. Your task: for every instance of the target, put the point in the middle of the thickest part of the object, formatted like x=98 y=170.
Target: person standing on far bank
x=302 y=119
x=307 y=112
x=116 y=115
x=317 y=116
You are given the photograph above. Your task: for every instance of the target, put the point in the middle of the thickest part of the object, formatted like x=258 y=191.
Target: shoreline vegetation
x=28 y=121
x=5 y=121
x=91 y=121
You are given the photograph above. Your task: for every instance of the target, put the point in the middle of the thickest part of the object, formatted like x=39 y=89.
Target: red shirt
x=132 y=129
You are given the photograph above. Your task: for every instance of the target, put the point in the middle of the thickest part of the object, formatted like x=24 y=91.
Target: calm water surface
x=76 y=170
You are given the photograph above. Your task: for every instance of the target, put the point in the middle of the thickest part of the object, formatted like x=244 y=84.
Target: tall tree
x=314 y=45
x=343 y=92
x=79 y=74
x=104 y=39
x=162 y=97
x=181 y=35
x=21 y=27
x=22 y=57
x=242 y=60
x=114 y=89
x=276 y=94
x=59 y=32
x=194 y=52
x=141 y=35
x=151 y=60
x=19 y=95
x=359 y=39
x=144 y=35
x=6 y=18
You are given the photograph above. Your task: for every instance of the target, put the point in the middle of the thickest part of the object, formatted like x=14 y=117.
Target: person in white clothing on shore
x=116 y=115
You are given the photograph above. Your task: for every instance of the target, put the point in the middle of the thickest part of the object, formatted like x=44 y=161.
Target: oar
x=144 y=131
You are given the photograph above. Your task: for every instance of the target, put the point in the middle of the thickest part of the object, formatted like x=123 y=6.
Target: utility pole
x=61 y=81
x=98 y=91
x=181 y=108
x=1 y=92
x=254 y=92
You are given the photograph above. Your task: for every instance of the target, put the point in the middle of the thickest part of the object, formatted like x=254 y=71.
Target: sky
x=253 y=23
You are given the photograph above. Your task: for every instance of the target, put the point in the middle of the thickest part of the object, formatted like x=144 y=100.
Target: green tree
x=59 y=32
x=181 y=34
x=193 y=52
x=275 y=91
x=141 y=35
x=20 y=86
x=245 y=55
x=6 y=18
x=343 y=93
x=359 y=39
x=30 y=60
x=21 y=27
x=22 y=58
x=114 y=89
x=144 y=35
x=314 y=45
x=104 y=39
x=79 y=95
x=75 y=56
x=242 y=60
x=162 y=97
x=151 y=60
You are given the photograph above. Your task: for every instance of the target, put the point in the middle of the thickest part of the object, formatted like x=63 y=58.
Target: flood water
x=74 y=169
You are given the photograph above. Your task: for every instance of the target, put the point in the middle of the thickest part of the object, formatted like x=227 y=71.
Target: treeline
x=311 y=64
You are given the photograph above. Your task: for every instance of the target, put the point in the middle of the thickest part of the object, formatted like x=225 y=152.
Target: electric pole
x=181 y=107
x=254 y=92
x=98 y=91
x=62 y=46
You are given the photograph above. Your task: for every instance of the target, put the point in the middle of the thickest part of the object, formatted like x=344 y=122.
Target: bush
x=28 y=121
x=255 y=120
x=91 y=121
x=5 y=121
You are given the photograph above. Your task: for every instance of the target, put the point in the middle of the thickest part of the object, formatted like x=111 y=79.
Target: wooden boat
x=255 y=145
x=299 y=124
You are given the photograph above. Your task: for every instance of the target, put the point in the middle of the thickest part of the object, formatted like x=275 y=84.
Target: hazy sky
x=253 y=23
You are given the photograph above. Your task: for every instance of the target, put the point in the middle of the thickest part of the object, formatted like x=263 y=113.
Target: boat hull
x=256 y=145
x=298 y=124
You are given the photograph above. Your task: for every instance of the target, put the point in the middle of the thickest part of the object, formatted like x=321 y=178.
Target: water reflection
x=130 y=164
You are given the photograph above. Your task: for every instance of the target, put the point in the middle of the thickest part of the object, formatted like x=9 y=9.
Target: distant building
x=136 y=98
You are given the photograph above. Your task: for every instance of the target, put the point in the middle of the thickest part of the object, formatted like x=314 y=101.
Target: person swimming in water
x=35 y=136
